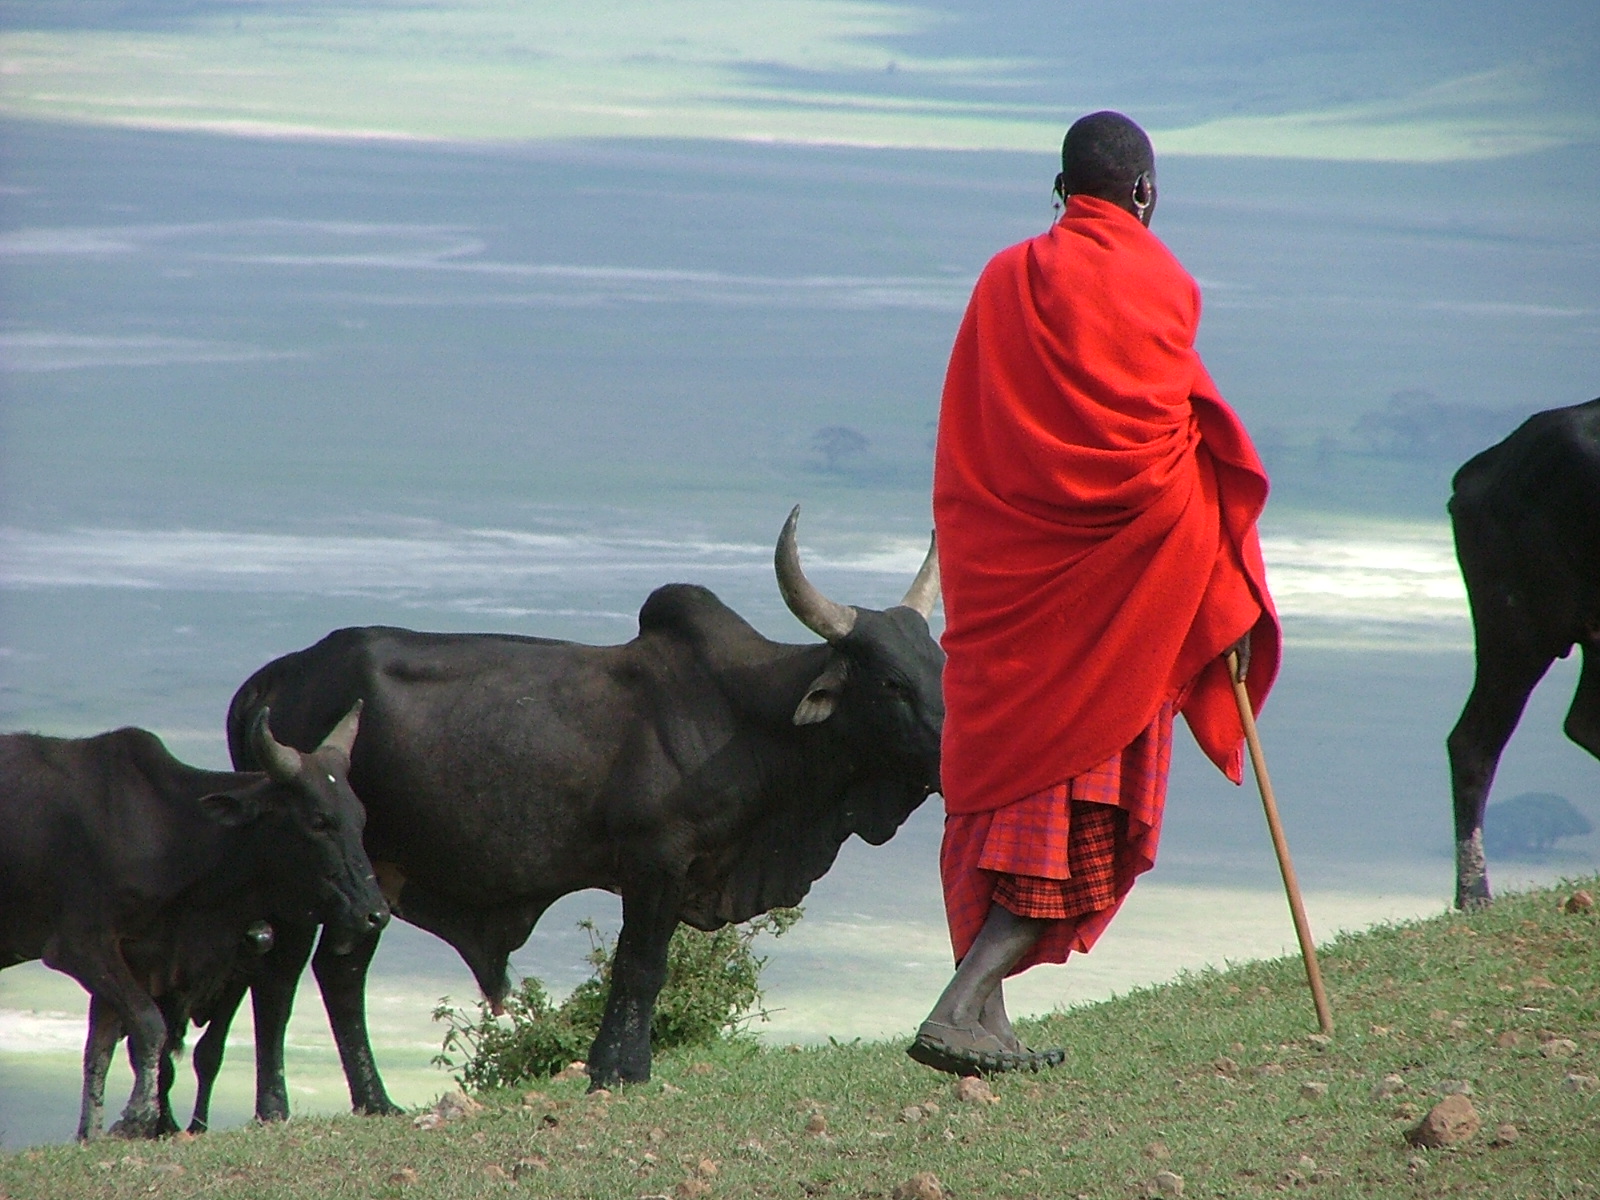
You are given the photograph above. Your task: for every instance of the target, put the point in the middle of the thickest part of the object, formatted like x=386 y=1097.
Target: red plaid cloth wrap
x=1069 y=854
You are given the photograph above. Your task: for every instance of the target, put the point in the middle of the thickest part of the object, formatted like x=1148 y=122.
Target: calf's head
x=881 y=684
x=308 y=826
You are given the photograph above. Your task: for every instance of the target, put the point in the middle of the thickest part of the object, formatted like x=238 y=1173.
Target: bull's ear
x=230 y=809
x=822 y=697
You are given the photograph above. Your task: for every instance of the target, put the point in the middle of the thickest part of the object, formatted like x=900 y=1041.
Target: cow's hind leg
x=118 y=1003
x=343 y=980
x=105 y=1030
x=1507 y=672
x=621 y=1050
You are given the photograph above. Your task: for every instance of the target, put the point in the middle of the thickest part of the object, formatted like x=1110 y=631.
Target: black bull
x=701 y=771
x=1526 y=514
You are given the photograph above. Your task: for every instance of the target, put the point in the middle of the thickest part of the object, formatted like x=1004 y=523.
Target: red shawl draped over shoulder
x=1095 y=500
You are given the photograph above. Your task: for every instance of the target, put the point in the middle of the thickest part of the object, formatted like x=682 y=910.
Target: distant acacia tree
x=843 y=450
x=1415 y=424
x=1529 y=825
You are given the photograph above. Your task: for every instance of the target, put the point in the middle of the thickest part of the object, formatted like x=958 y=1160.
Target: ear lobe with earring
x=1058 y=194
x=1143 y=194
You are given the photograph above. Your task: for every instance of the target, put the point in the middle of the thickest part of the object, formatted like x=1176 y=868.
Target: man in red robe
x=1095 y=501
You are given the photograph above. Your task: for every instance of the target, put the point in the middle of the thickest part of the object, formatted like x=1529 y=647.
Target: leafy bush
x=532 y=1040
x=713 y=990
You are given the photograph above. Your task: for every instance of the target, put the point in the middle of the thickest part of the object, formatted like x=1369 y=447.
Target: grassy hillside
x=1216 y=1080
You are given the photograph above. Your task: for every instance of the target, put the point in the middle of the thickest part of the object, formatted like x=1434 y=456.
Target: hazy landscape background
x=481 y=315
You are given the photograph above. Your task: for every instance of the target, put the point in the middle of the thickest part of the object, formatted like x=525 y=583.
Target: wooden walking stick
x=1291 y=885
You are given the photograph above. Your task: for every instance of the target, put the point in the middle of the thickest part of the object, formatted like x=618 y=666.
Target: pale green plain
x=788 y=71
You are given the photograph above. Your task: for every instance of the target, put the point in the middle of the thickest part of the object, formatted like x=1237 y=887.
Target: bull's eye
x=895 y=688
x=321 y=822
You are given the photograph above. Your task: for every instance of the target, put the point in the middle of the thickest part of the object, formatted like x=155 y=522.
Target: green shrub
x=532 y=1040
x=713 y=990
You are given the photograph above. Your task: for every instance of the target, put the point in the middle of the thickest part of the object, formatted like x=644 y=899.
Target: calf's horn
x=281 y=762
x=825 y=618
x=343 y=735
x=923 y=593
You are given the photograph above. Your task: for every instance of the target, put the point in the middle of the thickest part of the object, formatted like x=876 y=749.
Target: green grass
x=1203 y=1077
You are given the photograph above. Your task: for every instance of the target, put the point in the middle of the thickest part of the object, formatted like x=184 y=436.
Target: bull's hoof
x=387 y=1108
x=1474 y=901
x=610 y=1081
x=134 y=1127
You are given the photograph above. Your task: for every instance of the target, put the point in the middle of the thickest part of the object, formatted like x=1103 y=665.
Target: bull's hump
x=693 y=612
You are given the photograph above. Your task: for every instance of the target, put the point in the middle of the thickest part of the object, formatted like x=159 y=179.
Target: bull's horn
x=825 y=618
x=277 y=760
x=923 y=593
x=343 y=736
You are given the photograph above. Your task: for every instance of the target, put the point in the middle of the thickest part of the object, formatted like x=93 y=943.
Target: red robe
x=1095 y=500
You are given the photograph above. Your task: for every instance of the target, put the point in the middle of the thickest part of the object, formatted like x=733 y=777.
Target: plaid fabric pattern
x=1068 y=854
x=1092 y=857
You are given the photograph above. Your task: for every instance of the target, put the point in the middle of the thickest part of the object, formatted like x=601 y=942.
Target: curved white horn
x=343 y=736
x=281 y=762
x=825 y=618
x=923 y=593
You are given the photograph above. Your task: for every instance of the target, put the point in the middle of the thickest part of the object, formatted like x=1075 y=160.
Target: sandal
x=973 y=1050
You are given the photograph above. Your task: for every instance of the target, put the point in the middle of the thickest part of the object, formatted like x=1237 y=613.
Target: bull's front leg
x=272 y=988
x=1507 y=672
x=621 y=1050
x=343 y=981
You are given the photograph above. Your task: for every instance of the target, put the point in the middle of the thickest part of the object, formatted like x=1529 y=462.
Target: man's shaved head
x=1103 y=155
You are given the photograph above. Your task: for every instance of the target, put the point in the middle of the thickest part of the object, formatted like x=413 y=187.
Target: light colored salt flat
x=844 y=979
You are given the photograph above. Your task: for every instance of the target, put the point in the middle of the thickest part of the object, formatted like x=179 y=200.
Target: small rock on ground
x=1389 y=1085
x=454 y=1105
x=970 y=1089
x=924 y=1185
x=1580 y=1083
x=1451 y=1121
x=1166 y=1183
x=1579 y=902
